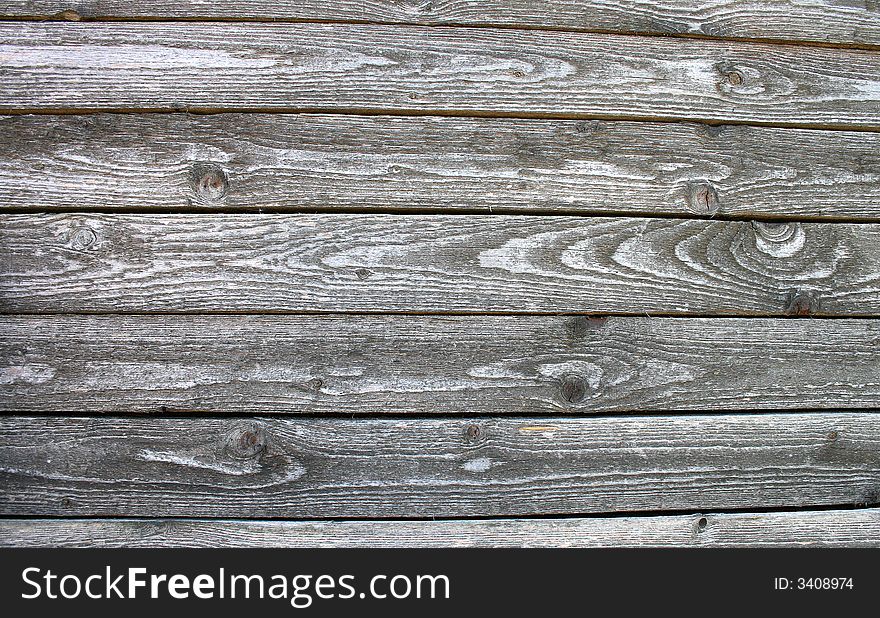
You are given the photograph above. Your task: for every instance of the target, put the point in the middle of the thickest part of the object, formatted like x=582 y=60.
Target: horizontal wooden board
x=318 y=468
x=834 y=528
x=835 y=21
x=480 y=263
x=429 y=365
x=282 y=162
x=401 y=69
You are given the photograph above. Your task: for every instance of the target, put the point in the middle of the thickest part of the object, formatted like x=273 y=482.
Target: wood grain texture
x=361 y=68
x=480 y=263
x=285 y=162
x=843 y=528
x=433 y=365
x=835 y=21
x=319 y=468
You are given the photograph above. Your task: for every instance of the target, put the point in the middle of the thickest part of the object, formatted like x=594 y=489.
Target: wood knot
x=779 y=239
x=573 y=389
x=702 y=198
x=801 y=303
x=579 y=326
x=363 y=273
x=832 y=436
x=209 y=181
x=701 y=524
x=872 y=498
x=587 y=127
x=473 y=433
x=68 y=15
x=246 y=442
x=714 y=131
x=83 y=238
x=315 y=384
x=419 y=6
x=734 y=78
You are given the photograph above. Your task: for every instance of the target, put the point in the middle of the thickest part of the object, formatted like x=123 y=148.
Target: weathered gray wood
x=213 y=67
x=427 y=365
x=277 y=162
x=480 y=263
x=837 y=21
x=317 y=468
x=843 y=528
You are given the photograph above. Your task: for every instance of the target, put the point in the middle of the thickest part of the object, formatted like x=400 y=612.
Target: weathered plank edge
x=829 y=528
x=836 y=25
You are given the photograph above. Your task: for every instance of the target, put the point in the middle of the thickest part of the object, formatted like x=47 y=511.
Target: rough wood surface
x=835 y=21
x=433 y=365
x=318 y=468
x=278 y=162
x=214 y=67
x=480 y=263
x=843 y=528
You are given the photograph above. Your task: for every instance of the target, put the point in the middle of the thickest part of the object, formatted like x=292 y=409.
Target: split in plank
x=389 y=468
x=406 y=69
x=435 y=264
x=832 y=21
x=832 y=528
x=433 y=365
x=282 y=162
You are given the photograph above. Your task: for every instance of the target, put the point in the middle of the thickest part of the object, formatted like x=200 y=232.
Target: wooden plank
x=342 y=468
x=427 y=365
x=403 y=69
x=819 y=20
x=283 y=162
x=842 y=528
x=480 y=263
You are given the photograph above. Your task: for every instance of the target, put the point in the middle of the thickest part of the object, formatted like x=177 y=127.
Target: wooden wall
x=439 y=273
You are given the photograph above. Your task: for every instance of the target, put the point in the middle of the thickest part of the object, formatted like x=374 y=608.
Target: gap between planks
x=403 y=112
